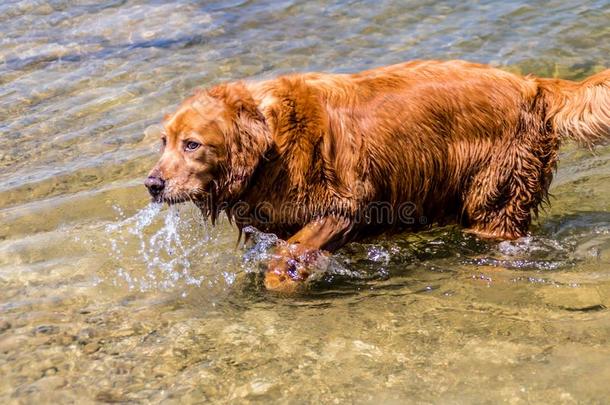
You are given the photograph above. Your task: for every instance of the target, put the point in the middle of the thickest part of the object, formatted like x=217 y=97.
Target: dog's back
x=454 y=140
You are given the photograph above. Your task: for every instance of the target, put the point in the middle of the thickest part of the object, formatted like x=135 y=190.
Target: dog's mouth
x=200 y=200
x=170 y=199
x=174 y=200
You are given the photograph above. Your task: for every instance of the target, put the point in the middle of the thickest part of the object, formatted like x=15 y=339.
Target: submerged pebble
x=46 y=330
x=4 y=325
x=91 y=347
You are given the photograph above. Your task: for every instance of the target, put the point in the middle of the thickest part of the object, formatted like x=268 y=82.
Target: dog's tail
x=579 y=110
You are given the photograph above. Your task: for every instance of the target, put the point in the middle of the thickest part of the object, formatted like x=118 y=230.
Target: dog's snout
x=154 y=185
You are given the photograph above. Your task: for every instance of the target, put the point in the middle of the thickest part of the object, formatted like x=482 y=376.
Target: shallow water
x=106 y=298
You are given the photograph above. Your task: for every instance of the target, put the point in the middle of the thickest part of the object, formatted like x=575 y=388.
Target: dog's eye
x=164 y=141
x=191 y=145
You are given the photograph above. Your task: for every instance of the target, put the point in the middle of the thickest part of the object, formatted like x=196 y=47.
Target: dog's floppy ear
x=247 y=139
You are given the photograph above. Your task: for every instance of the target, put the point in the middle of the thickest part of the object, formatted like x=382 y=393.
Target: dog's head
x=210 y=147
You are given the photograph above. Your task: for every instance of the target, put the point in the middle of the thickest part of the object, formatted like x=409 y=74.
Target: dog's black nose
x=154 y=185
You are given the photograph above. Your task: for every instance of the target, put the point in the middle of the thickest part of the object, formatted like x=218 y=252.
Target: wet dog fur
x=324 y=159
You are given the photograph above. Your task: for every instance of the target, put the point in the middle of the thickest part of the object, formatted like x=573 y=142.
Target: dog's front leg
x=290 y=266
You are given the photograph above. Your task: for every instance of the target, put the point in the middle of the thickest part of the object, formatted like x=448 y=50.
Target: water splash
x=162 y=248
x=259 y=246
x=529 y=253
x=260 y=249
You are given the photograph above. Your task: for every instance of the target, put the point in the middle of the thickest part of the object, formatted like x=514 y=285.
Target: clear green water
x=104 y=298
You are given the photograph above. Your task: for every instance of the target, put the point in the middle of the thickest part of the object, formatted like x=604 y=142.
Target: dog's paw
x=289 y=269
x=282 y=282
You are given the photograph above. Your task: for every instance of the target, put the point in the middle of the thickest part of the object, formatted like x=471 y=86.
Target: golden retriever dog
x=324 y=159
